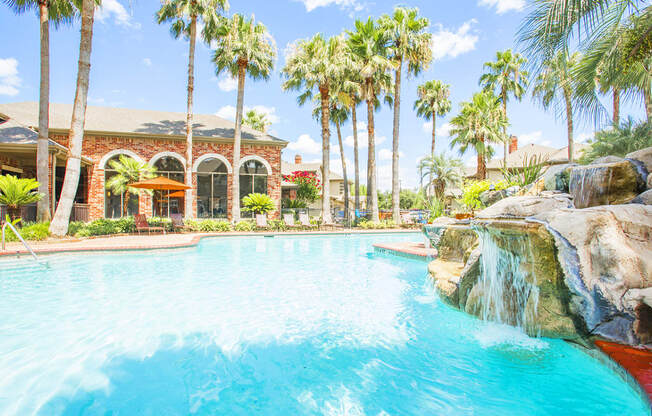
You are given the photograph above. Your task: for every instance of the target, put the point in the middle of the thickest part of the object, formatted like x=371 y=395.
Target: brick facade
x=96 y=147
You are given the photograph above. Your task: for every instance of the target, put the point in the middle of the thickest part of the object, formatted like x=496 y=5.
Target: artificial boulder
x=643 y=156
x=645 y=198
x=605 y=183
x=555 y=178
x=525 y=206
x=606 y=255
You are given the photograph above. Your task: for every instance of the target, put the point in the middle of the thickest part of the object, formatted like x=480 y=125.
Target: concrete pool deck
x=156 y=241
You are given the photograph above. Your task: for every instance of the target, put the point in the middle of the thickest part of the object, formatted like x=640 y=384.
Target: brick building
x=155 y=137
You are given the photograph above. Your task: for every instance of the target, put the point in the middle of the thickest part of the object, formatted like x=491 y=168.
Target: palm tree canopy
x=15 y=192
x=242 y=42
x=179 y=11
x=315 y=63
x=59 y=11
x=129 y=171
x=441 y=171
x=256 y=120
x=555 y=80
x=479 y=123
x=433 y=97
x=506 y=75
x=407 y=38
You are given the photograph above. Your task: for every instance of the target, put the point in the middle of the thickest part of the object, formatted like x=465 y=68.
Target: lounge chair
x=142 y=225
x=305 y=221
x=261 y=221
x=288 y=219
x=177 y=223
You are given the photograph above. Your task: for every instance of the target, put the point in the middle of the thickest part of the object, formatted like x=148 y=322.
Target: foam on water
x=500 y=335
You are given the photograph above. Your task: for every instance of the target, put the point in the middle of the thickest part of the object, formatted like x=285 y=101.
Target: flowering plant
x=308 y=184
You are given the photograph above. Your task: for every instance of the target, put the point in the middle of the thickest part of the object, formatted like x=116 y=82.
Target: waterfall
x=507 y=294
x=589 y=184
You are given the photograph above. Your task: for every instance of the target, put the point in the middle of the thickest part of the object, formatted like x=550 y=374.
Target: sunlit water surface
x=272 y=326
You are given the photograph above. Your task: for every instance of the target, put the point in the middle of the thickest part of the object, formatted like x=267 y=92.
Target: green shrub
x=37 y=231
x=473 y=189
x=258 y=203
x=293 y=203
x=210 y=225
x=166 y=223
x=277 y=225
x=244 y=226
x=75 y=226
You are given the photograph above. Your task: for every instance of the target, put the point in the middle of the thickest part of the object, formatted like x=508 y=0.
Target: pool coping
x=194 y=241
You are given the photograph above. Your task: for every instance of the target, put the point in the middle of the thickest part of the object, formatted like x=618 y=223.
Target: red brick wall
x=95 y=147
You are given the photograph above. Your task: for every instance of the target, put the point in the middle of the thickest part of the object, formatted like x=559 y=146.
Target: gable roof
x=14 y=133
x=517 y=158
x=127 y=121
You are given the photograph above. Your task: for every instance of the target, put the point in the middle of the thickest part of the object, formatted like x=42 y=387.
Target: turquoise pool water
x=272 y=326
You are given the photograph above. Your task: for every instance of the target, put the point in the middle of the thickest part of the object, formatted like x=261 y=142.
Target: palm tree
x=408 y=42
x=128 y=171
x=16 y=192
x=59 y=224
x=433 y=100
x=255 y=120
x=556 y=87
x=442 y=171
x=243 y=47
x=317 y=64
x=479 y=123
x=57 y=12
x=369 y=44
x=506 y=77
x=184 y=15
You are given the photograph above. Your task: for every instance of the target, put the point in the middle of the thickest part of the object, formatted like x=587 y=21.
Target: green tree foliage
x=433 y=101
x=440 y=172
x=618 y=141
x=16 y=192
x=256 y=120
x=129 y=171
x=258 y=203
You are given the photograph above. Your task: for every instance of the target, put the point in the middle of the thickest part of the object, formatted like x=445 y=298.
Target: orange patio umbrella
x=160 y=183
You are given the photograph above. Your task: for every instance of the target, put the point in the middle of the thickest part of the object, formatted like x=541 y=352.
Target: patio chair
x=177 y=223
x=142 y=225
x=288 y=219
x=261 y=221
x=305 y=221
x=407 y=219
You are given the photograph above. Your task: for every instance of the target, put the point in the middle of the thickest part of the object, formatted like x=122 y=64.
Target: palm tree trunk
x=344 y=175
x=59 y=225
x=42 y=168
x=569 y=121
x=616 y=106
x=325 y=155
x=506 y=151
x=647 y=96
x=396 y=209
x=191 y=86
x=434 y=121
x=235 y=192
x=481 y=173
x=372 y=193
x=354 y=120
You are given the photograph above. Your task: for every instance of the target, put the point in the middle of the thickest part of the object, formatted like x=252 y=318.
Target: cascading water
x=507 y=293
x=589 y=184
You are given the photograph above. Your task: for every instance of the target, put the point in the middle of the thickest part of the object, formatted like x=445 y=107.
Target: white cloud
x=305 y=145
x=9 y=79
x=227 y=83
x=503 y=6
x=532 y=137
x=449 y=43
x=96 y=100
x=443 y=130
x=113 y=9
x=336 y=166
x=313 y=4
x=228 y=112
x=386 y=154
x=147 y=62
x=363 y=137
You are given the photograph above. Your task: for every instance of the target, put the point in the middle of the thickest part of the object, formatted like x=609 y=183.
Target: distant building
x=518 y=156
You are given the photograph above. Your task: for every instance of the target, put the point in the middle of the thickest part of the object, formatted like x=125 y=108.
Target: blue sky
x=137 y=64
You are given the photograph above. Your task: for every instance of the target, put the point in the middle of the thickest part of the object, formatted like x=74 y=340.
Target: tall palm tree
x=315 y=66
x=556 y=87
x=128 y=171
x=59 y=224
x=184 y=14
x=443 y=172
x=479 y=123
x=408 y=42
x=243 y=47
x=369 y=44
x=57 y=12
x=256 y=120
x=506 y=76
x=433 y=100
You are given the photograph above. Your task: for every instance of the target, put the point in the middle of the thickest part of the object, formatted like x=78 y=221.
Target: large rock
x=555 y=178
x=605 y=184
x=525 y=206
x=606 y=255
x=434 y=231
x=456 y=243
x=644 y=156
x=645 y=198
x=607 y=159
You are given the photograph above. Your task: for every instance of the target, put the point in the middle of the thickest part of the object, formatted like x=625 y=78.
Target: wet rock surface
x=644 y=198
x=609 y=183
x=526 y=206
x=644 y=156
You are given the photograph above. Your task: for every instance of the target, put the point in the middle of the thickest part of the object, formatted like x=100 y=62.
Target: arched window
x=117 y=205
x=212 y=195
x=169 y=202
x=253 y=178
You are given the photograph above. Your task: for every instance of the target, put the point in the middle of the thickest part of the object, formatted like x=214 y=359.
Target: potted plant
x=16 y=192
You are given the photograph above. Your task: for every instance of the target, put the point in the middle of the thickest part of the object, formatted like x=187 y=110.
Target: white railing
x=4 y=227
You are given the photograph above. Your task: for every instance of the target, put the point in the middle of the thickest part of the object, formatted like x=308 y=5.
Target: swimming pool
x=272 y=326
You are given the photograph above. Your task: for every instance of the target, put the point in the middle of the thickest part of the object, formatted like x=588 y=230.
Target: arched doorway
x=212 y=193
x=164 y=202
